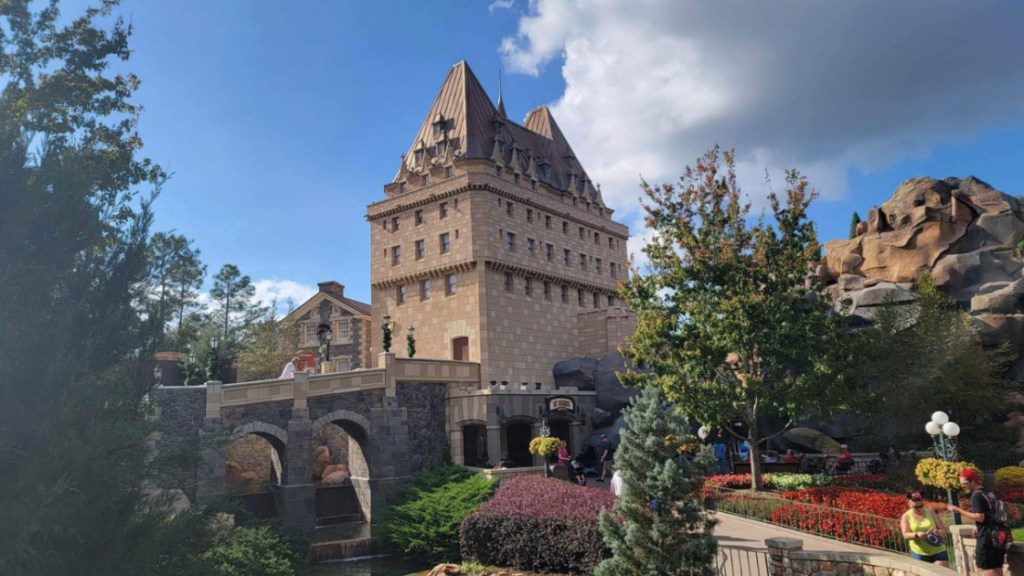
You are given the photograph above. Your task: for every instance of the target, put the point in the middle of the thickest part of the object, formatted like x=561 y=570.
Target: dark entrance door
x=560 y=430
x=518 y=439
x=470 y=445
x=460 y=349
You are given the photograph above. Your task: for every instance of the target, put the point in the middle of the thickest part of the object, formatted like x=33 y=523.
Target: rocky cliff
x=963 y=232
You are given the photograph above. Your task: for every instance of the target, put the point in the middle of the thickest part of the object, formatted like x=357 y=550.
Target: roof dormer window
x=501 y=146
x=498 y=127
x=418 y=156
x=442 y=146
x=572 y=161
x=545 y=169
x=519 y=155
x=437 y=128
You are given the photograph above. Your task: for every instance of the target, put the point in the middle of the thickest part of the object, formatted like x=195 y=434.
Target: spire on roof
x=496 y=154
x=501 y=105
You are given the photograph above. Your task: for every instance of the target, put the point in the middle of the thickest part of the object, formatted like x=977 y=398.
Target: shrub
x=859 y=480
x=536 y=523
x=1010 y=476
x=786 y=482
x=1009 y=493
x=940 y=474
x=255 y=551
x=734 y=481
x=423 y=523
x=901 y=479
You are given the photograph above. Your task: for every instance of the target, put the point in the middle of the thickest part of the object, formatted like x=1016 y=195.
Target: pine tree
x=174 y=278
x=853 y=225
x=659 y=526
x=233 y=294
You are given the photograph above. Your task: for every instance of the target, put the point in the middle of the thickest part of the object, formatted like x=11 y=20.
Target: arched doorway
x=518 y=436
x=561 y=428
x=342 y=487
x=253 y=467
x=474 y=445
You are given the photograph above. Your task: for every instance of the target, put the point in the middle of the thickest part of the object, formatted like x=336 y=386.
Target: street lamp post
x=944 y=437
x=703 y=433
x=158 y=373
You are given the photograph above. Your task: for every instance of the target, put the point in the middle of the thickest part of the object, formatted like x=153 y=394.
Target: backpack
x=1001 y=535
x=997 y=506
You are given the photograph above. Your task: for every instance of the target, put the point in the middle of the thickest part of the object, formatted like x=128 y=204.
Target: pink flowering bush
x=539 y=524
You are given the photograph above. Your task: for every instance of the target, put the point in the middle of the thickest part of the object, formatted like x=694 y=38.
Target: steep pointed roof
x=468 y=120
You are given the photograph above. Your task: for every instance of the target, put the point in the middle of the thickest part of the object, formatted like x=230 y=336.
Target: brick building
x=495 y=244
x=349 y=321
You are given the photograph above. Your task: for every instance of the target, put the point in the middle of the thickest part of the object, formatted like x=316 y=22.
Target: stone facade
x=180 y=413
x=350 y=326
x=787 y=558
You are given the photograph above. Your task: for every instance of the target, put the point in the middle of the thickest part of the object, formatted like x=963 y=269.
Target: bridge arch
x=362 y=456
x=247 y=461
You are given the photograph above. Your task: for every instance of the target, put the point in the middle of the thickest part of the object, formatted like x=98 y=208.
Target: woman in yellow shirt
x=924 y=532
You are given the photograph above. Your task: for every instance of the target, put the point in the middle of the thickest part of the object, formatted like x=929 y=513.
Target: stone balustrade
x=964 y=545
x=786 y=557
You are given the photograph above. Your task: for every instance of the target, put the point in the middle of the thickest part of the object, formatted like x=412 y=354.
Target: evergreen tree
x=659 y=526
x=175 y=276
x=853 y=225
x=233 y=293
x=75 y=353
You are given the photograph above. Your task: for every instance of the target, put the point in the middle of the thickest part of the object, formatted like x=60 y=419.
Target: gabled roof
x=469 y=126
x=355 y=307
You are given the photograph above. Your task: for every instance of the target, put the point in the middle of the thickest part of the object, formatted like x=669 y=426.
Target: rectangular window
x=529 y=246
x=449 y=285
x=401 y=188
x=419 y=217
x=442 y=146
x=550 y=252
x=448 y=172
x=311 y=334
x=515 y=178
x=510 y=242
x=384 y=224
x=611 y=242
x=581 y=232
x=341 y=330
x=497 y=171
x=421 y=249
x=588 y=206
x=596 y=305
x=400 y=294
x=443 y=209
x=426 y=179
x=574 y=201
x=579 y=298
x=547 y=291
x=437 y=128
x=396 y=255
x=547 y=222
x=565 y=256
x=611 y=300
x=533 y=184
x=565 y=295
x=600 y=211
x=597 y=265
x=508 y=209
x=529 y=215
x=611 y=268
x=529 y=287
x=583 y=262
x=565 y=227
x=425 y=290
x=597 y=238
x=446 y=244
x=342 y=365
x=394 y=224
x=508 y=282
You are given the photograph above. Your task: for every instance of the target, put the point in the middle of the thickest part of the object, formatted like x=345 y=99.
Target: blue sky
x=282 y=122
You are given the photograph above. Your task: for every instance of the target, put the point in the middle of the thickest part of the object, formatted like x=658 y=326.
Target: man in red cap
x=988 y=556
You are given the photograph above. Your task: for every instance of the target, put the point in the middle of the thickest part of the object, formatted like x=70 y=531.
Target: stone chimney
x=333 y=288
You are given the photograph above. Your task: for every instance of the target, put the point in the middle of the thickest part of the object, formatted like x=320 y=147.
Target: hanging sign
x=561 y=404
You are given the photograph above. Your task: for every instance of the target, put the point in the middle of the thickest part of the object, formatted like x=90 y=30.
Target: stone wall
x=423 y=403
x=351 y=349
x=180 y=411
x=357 y=402
x=276 y=413
x=964 y=546
x=787 y=558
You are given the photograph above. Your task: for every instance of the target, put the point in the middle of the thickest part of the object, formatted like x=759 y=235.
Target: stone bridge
x=393 y=415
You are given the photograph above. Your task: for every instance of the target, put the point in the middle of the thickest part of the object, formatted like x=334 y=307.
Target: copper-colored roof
x=469 y=119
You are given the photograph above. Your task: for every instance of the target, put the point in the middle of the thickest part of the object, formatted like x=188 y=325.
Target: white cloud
x=819 y=86
x=501 y=4
x=281 y=290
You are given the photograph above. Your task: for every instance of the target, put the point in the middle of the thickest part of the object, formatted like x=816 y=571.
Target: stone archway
x=360 y=454
x=255 y=466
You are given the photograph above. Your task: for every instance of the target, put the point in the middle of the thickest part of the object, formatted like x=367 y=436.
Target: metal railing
x=732 y=561
x=837 y=524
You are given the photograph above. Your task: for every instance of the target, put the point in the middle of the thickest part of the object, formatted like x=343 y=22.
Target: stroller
x=577 y=473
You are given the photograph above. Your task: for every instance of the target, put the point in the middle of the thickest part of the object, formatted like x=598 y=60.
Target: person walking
x=563 y=456
x=924 y=532
x=988 y=556
x=607 y=457
x=721 y=456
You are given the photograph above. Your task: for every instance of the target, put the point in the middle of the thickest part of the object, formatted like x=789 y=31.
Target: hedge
x=539 y=524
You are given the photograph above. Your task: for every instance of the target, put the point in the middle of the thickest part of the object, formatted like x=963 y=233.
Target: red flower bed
x=734 y=481
x=853 y=499
x=858 y=480
x=1009 y=493
x=878 y=532
x=538 y=524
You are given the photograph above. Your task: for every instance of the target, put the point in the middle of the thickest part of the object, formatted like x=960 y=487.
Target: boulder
x=594 y=438
x=879 y=294
x=810 y=440
x=602 y=418
x=577 y=372
x=441 y=569
x=1006 y=300
x=335 y=479
x=232 y=473
x=995 y=329
x=335 y=468
x=321 y=460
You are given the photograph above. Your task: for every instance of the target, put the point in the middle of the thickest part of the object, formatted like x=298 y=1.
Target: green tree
x=931 y=354
x=659 y=526
x=268 y=346
x=233 y=293
x=853 y=225
x=726 y=321
x=174 y=277
x=75 y=354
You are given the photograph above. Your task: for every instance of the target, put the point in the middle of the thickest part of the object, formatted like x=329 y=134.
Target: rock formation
x=963 y=232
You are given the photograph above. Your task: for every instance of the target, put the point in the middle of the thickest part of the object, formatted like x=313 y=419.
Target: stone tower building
x=495 y=245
